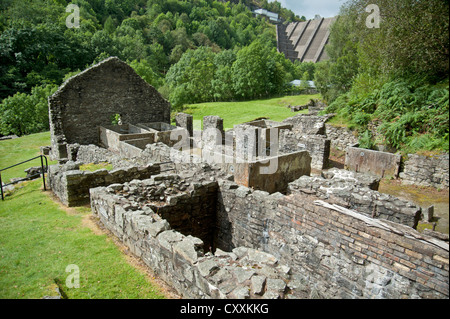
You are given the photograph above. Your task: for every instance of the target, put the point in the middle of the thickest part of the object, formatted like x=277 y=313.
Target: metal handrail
x=42 y=157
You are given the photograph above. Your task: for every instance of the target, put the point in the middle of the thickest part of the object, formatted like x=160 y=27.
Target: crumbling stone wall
x=340 y=137
x=338 y=255
x=307 y=133
x=356 y=195
x=181 y=259
x=308 y=124
x=318 y=147
x=189 y=206
x=426 y=170
x=317 y=248
x=72 y=186
x=91 y=98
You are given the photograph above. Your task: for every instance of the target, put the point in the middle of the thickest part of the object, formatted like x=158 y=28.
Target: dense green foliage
x=394 y=77
x=254 y=71
x=156 y=37
x=26 y=113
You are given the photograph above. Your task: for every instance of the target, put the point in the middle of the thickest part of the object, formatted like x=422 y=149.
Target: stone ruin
x=94 y=97
x=199 y=210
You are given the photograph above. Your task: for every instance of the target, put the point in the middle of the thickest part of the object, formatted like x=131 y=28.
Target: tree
x=24 y=113
x=222 y=84
x=145 y=71
x=258 y=71
x=190 y=79
x=304 y=85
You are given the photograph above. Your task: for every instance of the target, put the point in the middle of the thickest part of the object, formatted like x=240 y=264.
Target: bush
x=23 y=114
x=366 y=141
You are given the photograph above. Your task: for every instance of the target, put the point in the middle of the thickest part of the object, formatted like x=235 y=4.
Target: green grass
x=38 y=241
x=21 y=149
x=234 y=113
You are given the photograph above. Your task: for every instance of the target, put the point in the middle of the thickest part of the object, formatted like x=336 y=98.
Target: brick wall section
x=426 y=170
x=337 y=255
x=355 y=260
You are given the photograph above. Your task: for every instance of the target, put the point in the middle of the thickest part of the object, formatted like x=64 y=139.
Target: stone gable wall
x=91 y=98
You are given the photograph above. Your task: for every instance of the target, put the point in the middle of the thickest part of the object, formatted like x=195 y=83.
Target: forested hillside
x=194 y=43
x=393 y=78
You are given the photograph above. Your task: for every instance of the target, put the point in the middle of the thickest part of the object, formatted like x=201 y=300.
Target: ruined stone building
x=247 y=213
x=93 y=97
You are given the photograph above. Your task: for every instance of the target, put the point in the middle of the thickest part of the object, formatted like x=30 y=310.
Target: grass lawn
x=39 y=239
x=239 y=112
x=21 y=149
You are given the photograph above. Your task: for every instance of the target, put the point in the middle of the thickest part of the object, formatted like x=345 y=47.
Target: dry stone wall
x=181 y=259
x=72 y=185
x=340 y=137
x=426 y=170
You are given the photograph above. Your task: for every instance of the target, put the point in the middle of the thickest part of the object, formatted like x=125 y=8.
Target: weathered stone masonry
x=354 y=195
x=426 y=170
x=202 y=230
x=72 y=186
x=329 y=253
x=93 y=97
x=180 y=258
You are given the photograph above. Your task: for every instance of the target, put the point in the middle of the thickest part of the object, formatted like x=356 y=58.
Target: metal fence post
x=43 y=172
x=1 y=186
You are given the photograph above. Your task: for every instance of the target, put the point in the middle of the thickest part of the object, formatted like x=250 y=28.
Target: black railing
x=43 y=170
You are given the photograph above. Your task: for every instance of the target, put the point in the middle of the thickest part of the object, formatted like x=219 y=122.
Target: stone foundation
x=180 y=259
